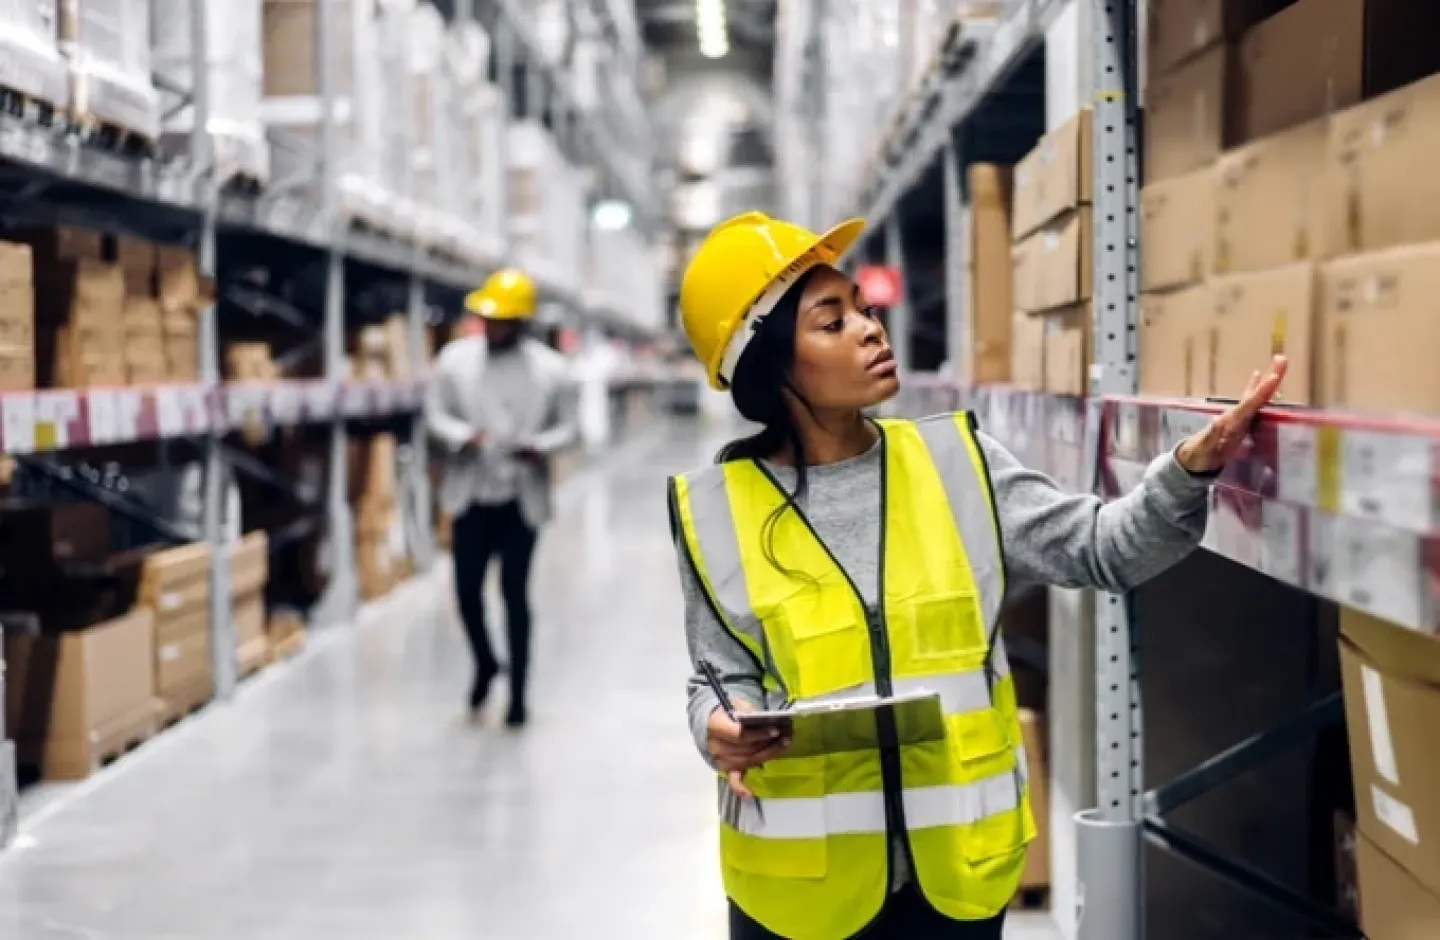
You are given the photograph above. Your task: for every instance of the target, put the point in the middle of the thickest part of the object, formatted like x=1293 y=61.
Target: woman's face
x=842 y=355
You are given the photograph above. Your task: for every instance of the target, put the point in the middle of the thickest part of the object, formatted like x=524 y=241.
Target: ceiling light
x=712 y=28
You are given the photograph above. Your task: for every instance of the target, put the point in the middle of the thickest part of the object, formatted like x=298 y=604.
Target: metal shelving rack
x=185 y=202
x=1337 y=506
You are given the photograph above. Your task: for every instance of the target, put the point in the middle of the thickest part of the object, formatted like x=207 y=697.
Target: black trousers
x=906 y=916
x=478 y=535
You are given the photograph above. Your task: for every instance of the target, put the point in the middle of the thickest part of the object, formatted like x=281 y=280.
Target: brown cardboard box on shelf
x=1178 y=29
x=249 y=362
x=397 y=349
x=138 y=259
x=1301 y=64
x=62 y=243
x=992 y=301
x=1378 y=333
x=17 y=368
x=182 y=359
x=83 y=360
x=1381 y=189
x=1177 y=218
x=1392 y=707
x=1393 y=904
x=175 y=585
x=252 y=644
x=1259 y=315
x=75 y=698
x=1188 y=115
x=249 y=563
x=1022 y=275
x=177 y=280
x=1067 y=350
x=1062 y=260
x=1055 y=177
x=143 y=317
x=145 y=364
x=1037 y=859
x=1320 y=56
x=1027 y=351
x=1269 y=200
x=1173 y=331
x=17 y=313
x=289 y=29
x=372 y=469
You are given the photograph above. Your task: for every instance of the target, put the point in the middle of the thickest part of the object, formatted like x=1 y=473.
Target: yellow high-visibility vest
x=812 y=863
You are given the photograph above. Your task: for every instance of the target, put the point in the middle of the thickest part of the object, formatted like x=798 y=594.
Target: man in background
x=501 y=404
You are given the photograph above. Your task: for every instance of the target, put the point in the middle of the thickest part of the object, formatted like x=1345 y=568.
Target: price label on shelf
x=1387 y=478
x=320 y=400
x=54 y=414
x=354 y=400
x=1297 y=480
x=385 y=398
x=199 y=415
x=285 y=403
x=17 y=411
x=169 y=411
x=245 y=404
x=104 y=414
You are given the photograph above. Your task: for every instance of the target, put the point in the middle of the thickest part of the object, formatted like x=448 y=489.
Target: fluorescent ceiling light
x=712 y=28
x=611 y=215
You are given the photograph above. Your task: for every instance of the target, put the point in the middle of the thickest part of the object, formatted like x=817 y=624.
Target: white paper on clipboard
x=853 y=724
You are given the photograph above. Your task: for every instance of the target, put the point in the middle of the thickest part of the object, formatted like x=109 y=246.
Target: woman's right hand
x=736 y=749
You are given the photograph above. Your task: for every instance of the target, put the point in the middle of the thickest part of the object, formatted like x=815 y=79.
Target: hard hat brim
x=832 y=247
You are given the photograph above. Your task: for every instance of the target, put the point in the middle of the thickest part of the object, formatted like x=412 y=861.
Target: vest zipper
x=877 y=629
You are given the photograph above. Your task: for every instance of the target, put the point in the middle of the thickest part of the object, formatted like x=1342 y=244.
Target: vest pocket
x=949 y=627
x=830 y=647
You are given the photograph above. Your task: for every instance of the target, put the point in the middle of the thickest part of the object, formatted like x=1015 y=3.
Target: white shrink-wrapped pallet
x=293 y=108
x=233 y=67
x=547 y=208
x=472 y=160
x=364 y=195
x=30 y=60
x=397 y=101
x=624 y=279
x=107 y=46
x=430 y=127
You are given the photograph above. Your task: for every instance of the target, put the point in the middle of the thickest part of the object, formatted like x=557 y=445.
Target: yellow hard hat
x=506 y=295
x=738 y=275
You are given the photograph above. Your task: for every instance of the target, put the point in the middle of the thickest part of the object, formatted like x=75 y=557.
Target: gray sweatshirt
x=1049 y=538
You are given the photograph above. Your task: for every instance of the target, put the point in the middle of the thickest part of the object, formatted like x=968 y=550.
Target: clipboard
x=853 y=724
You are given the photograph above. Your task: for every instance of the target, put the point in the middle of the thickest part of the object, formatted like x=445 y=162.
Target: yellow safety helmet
x=738 y=275
x=506 y=295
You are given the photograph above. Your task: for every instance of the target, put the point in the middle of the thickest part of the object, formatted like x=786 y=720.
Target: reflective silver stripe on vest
x=844 y=813
x=715 y=537
x=966 y=493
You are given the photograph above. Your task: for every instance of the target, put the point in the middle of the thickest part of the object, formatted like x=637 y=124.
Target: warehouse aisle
x=343 y=795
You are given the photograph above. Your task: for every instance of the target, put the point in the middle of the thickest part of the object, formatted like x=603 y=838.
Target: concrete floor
x=343 y=795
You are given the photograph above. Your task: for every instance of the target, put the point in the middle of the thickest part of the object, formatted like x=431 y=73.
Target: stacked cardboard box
x=17 y=318
x=250 y=362
x=75 y=698
x=379 y=541
x=382 y=351
x=1392 y=705
x=144 y=346
x=181 y=296
x=984 y=355
x=175 y=586
x=249 y=574
x=79 y=302
x=1051 y=262
x=1251 y=206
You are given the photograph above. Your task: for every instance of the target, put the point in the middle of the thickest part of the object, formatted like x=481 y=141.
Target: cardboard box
x=1027 y=351
x=17 y=368
x=17 y=263
x=1393 y=904
x=138 y=259
x=1392 y=707
x=182 y=360
x=1178 y=29
x=992 y=293
x=249 y=564
x=182 y=653
x=1260 y=315
x=1301 y=64
x=1063 y=265
x=17 y=314
x=1187 y=115
x=1269 y=200
x=1381 y=189
x=1055 y=177
x=1022 y=275
x=1067 y=350
x=1177 y=220
x=1037 y=763
x=1172 y=339
x=143 y=317
x=62 y=243
x=249 y=362
x=1378 y=331
x=74 y=698
x=178 y=282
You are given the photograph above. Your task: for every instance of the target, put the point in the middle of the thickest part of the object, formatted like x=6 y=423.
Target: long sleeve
x=562 y=427
x=1067 y=540
x=709 y=641
x=444 y=425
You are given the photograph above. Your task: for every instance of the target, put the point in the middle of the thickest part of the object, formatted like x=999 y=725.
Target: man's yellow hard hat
x=738 y=275
x=506 y=295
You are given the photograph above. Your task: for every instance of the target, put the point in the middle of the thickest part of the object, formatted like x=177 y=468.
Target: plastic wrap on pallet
x=470 y=182
x=234 y=70
x=363 y=192
x=624 y=280
x=429 y=127
x=546 y=207
x=107 y=43
x=396 y=97
x=30 y=61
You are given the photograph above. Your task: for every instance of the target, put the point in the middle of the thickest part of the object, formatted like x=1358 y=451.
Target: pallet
x=111 y=137
x=106 y=744
x=184 y=700
x=1035 y=898
x=28 y=108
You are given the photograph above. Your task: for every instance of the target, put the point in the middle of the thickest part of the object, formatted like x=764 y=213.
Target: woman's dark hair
x=759 y=388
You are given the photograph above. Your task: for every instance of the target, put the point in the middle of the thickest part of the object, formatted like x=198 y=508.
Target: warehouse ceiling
x=713 y=112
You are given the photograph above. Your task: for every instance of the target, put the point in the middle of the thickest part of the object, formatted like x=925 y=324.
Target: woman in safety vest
x=831 y=556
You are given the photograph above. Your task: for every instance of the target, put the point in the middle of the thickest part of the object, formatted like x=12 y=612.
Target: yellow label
x=47 y=435
x=1277 y=333
x=1222 y=255
x=1327 y=469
